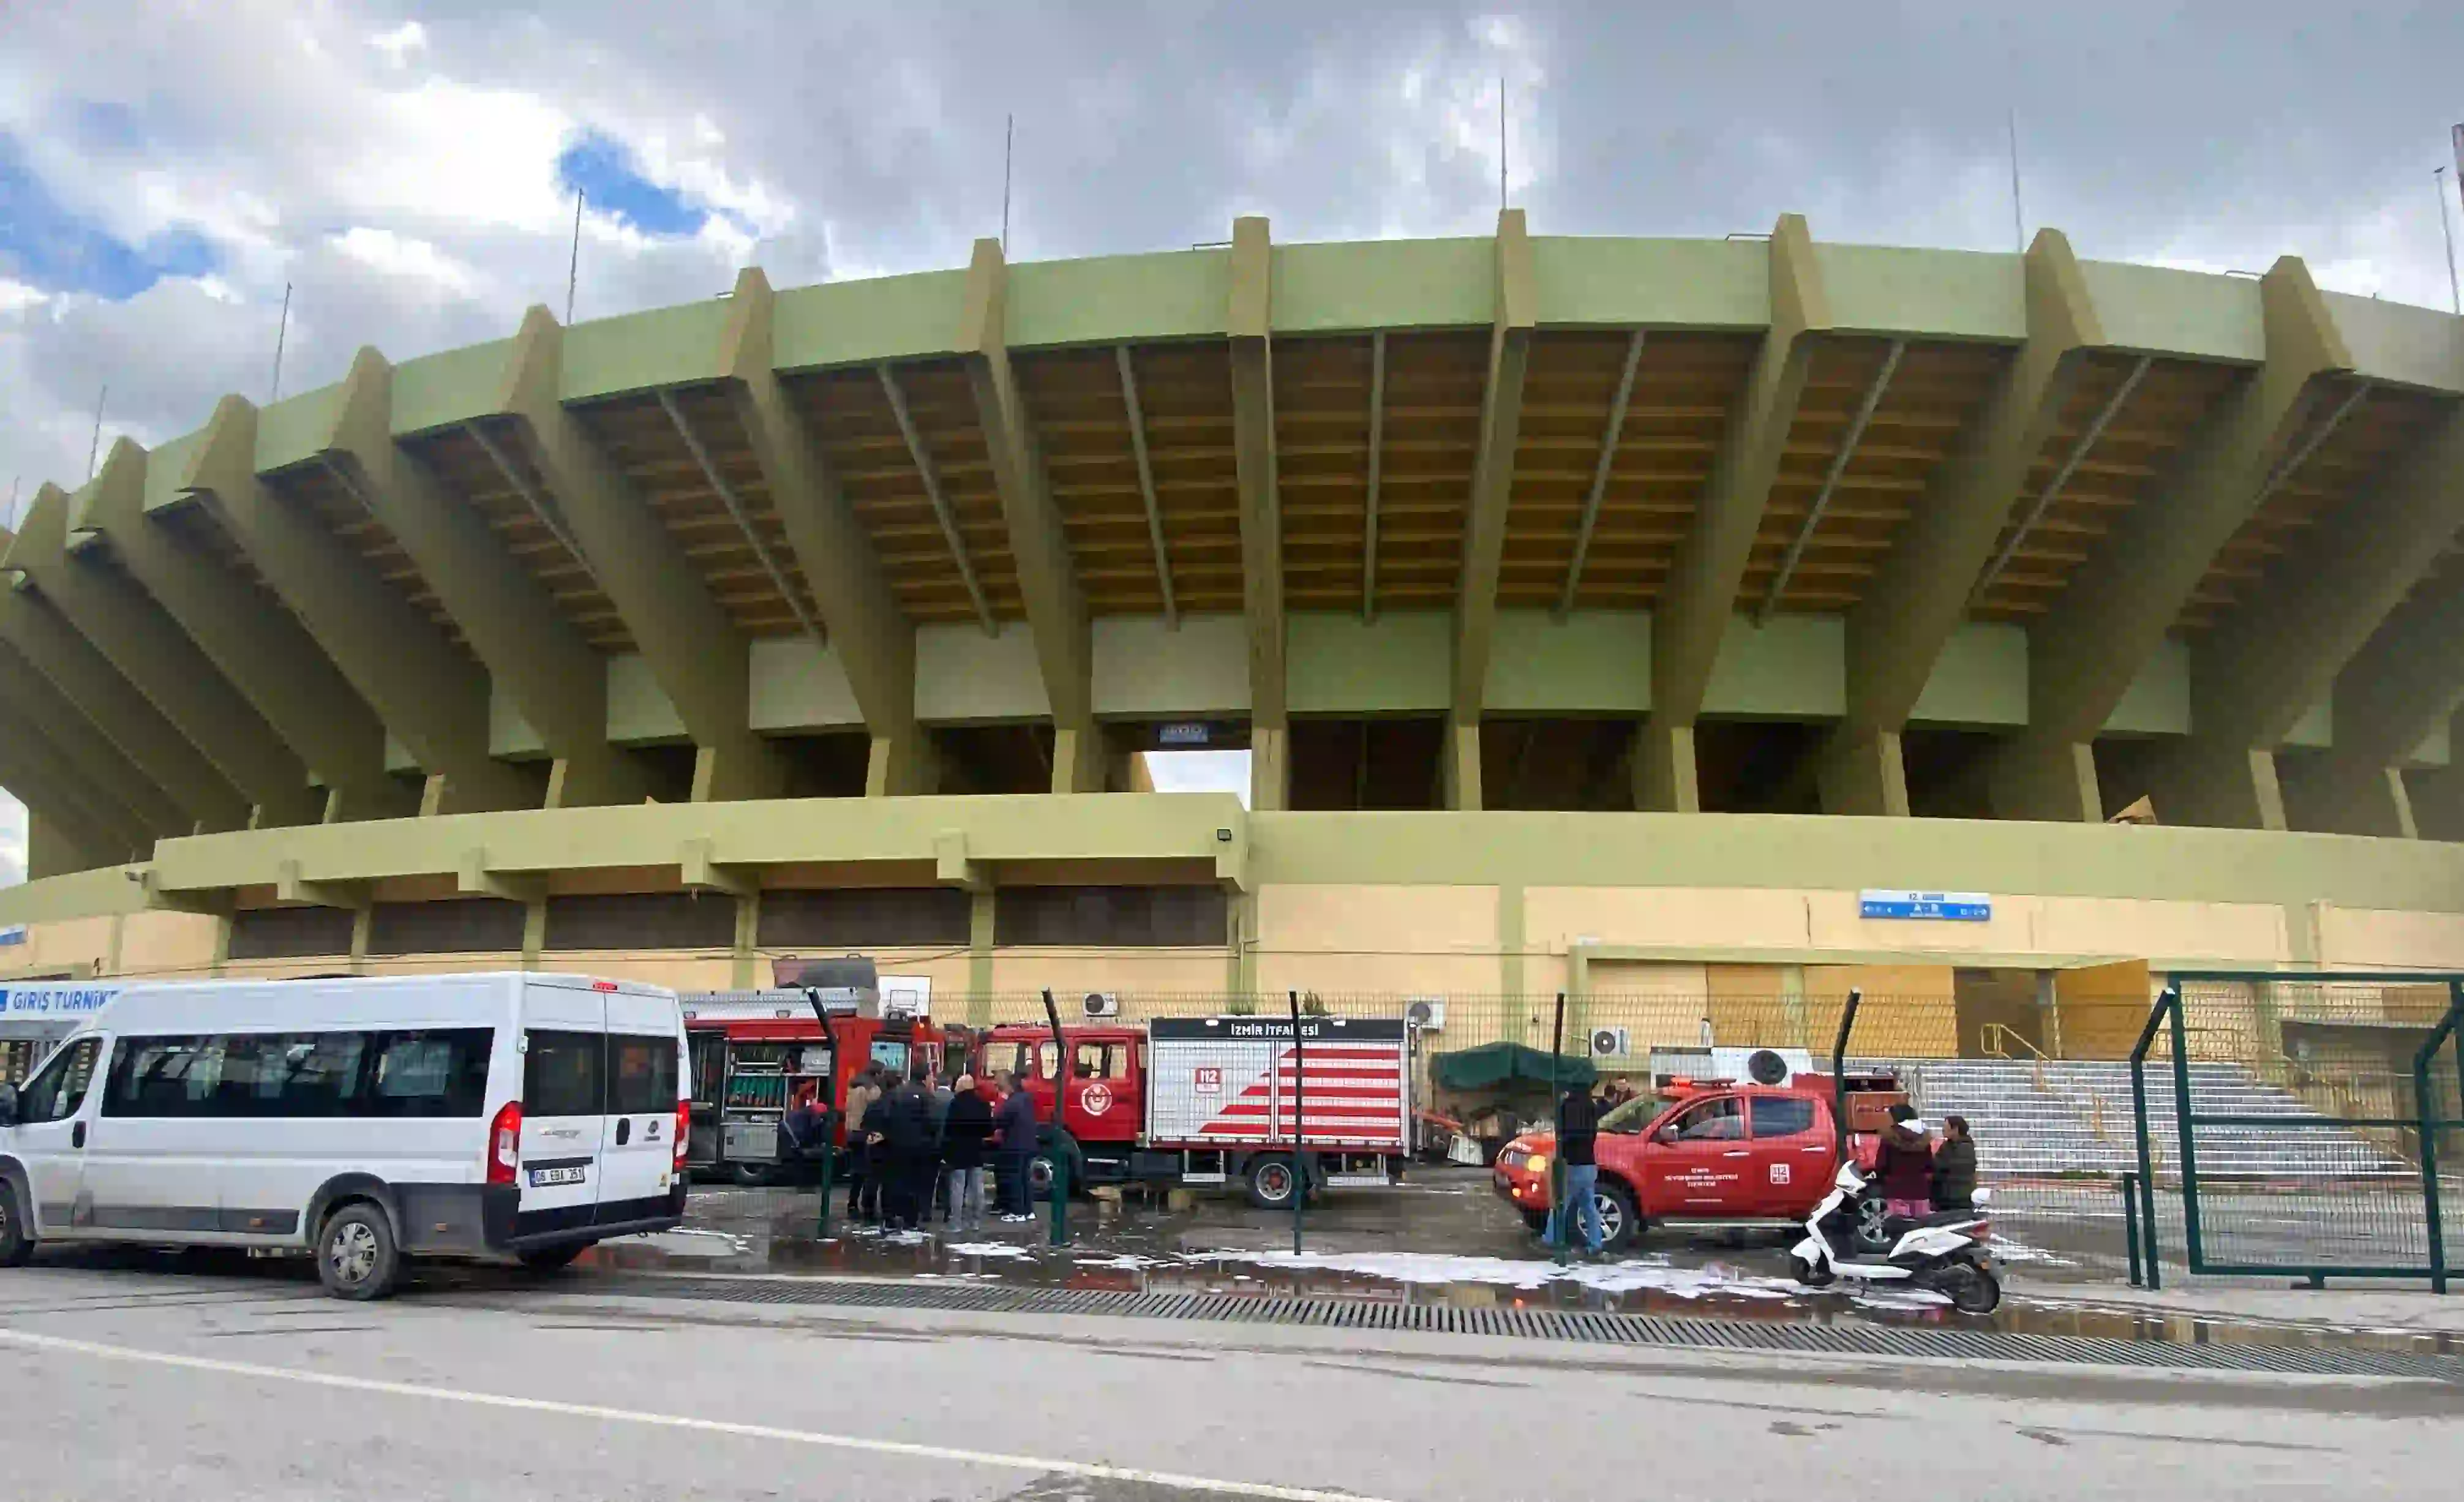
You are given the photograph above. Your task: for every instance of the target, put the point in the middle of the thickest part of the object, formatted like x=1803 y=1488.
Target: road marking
x=1084 y=1469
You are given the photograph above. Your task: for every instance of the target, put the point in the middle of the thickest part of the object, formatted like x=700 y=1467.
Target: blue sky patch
x=606 y=170
x=46 y=246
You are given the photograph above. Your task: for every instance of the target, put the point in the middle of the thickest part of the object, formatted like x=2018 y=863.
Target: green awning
x=1502 y=1066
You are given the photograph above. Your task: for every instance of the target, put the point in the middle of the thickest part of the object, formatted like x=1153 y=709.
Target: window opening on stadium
x=1558 y=763
x=1945 y=771
x=1367 y=764
x=1116 y=916
x=824 y=765
x=994 y=759
x=861 y=917
x=454 y=926
x=291 y=933
x=642 y=920
x=1757 y=767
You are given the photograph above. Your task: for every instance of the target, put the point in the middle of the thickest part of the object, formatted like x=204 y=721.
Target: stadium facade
x=1597 y=613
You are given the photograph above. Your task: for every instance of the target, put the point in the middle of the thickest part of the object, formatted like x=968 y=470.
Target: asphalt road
x=161 y=1385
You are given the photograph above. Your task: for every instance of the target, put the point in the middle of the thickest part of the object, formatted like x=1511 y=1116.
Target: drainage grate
x=1590 y=1326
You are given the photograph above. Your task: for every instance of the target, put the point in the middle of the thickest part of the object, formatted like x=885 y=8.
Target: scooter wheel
x=1805 y=1272
x=1975 y=1291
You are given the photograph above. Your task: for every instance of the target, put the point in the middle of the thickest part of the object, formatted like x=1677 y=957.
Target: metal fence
x=2308 y=1124
x=2306 y=1146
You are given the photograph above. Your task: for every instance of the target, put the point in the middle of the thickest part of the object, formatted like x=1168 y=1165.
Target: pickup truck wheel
x=1621 y=1222
x=1272 y=1183
x=1537 y=1220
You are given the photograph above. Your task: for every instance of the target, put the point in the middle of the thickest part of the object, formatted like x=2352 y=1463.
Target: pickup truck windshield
x=1632 y=1117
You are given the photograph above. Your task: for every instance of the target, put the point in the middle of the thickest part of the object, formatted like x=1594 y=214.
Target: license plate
x=548 y=1177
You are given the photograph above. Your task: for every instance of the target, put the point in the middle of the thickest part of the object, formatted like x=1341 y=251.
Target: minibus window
x=563 y=1076
x=642 y=1075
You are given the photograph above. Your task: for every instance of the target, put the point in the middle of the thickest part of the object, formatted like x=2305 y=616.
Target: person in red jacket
x=1904 y=1164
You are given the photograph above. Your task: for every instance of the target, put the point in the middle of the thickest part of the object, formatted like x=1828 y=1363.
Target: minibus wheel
x=357 y=1256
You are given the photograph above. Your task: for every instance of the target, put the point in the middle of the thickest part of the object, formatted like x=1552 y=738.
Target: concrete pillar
x=980 y=957
x=1865 y=776
x=1663 y=770
x=1270 y=768
x=1460 y=759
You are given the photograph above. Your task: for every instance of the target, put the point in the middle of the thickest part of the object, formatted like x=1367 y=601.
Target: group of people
x=1918 y=1175
x=918 y=1147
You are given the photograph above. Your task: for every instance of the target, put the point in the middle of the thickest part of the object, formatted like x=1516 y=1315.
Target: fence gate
x=2311 y=1122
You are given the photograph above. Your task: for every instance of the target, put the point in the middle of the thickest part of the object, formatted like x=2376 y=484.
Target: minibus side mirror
x=8 y=1105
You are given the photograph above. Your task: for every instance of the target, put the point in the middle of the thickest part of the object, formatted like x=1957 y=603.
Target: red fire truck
x=1210 y=1100
x=754 y=1053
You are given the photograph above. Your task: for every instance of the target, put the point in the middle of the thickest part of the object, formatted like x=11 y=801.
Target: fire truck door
x=1699 y=1163
x=1101 y=1096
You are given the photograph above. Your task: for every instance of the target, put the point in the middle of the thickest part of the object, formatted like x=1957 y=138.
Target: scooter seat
x=1898 y=1226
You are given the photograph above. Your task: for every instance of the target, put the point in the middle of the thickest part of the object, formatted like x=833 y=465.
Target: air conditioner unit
x=1425 y=1012
x=1102 y=1004
x=1611 y=1043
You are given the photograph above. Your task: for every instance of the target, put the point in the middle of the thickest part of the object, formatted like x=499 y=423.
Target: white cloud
x=402 y=255
x=398 y=44
x=15 y=297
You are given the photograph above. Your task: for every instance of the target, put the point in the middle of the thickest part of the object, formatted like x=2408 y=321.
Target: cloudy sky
x=410 y=170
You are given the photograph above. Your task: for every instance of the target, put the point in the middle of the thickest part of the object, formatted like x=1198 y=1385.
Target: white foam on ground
x=1649 y=1275
x=989 y=1248
x=1125 y=1262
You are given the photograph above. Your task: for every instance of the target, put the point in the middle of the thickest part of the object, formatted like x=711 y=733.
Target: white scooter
x=1847 y=1237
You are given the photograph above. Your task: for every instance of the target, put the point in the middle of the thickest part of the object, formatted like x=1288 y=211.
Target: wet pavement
x=1443 y=1239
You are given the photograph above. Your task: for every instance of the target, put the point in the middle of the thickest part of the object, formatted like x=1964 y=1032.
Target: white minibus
x=362 y=1120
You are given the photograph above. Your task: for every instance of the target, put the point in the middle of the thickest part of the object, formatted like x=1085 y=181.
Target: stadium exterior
x=1601 y=614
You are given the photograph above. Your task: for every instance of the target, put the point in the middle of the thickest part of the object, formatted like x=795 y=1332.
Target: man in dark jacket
x=1954 y=1166
x=907 y=1143
x=1579 y=1128
x=1017 y=1133
x=963 y=1132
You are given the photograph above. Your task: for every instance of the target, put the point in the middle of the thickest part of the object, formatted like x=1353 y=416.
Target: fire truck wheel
x=1272 y=1183
x=750 y=1176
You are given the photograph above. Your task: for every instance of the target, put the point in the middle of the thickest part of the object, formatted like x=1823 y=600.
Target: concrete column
x=362 y=920
x=1270 y=768
x=744 y=959
x=980 y=957
x=534 y=931
x=1459 y=756
x=1663 y=770
x=1865 y=776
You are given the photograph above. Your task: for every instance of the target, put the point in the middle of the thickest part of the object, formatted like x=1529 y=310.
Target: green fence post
x=2130 y=1225
x=2170 y=999
x=2182 y=1115
x=1840 y=1075
x=831 y=1116
x=2425 y=1106
x=1060 y=1099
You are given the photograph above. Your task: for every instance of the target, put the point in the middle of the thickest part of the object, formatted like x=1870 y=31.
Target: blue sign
x=14 y=933
x=1184 y=733
x=1955 y=907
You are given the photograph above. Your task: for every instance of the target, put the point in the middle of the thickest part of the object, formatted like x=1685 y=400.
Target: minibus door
x=638 y=1153
x=565 y=1093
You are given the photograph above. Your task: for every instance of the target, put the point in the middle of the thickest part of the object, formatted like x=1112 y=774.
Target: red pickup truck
x=1741 y=1154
